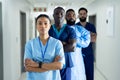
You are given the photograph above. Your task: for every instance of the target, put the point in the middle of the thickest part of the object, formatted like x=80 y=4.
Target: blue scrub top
x=77 y=72
x=64 y=34
x=83 y=36
x=88 y=50
x=33 y=51
x=83 y=40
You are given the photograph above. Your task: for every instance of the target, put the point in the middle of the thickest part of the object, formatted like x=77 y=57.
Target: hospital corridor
x=17 y=26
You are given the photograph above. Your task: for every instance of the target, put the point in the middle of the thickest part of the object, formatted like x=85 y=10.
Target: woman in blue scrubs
x=44 y=55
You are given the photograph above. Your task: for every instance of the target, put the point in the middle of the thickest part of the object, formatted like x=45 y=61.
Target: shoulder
x=54 y=40
x=90 y=24
x=70 y=29
x=78 y=23
x=51 y=27
x=91 y=27
x=31 y=41
x=80 y=28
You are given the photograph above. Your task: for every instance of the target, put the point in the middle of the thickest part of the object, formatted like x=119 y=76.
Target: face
x=82 y=15
x=70 y=18
x=59 y=16
x=43 y=25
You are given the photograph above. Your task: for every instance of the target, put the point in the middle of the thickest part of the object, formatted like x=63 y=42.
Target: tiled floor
x=97 y=74
x=23 y=76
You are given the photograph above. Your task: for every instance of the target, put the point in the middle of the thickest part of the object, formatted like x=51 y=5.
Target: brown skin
x=32 y=66
x=83 y=14
x=70 y=15
x=59 y=16
x=43 y=26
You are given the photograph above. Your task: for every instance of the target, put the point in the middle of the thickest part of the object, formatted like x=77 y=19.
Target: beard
x=82 y=19
x=70 y=22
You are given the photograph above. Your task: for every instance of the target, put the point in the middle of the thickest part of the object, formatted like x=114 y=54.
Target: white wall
x=11 y=37
x=107 y=47
x=107 y=51
x=50 y=9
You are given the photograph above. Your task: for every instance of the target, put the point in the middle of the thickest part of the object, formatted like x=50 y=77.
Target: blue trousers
x=89 y=66
x=65 y=74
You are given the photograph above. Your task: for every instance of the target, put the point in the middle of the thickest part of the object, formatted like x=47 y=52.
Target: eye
x=80 y=13
x=39 y=23
x=61 y=13
x=84 y=13
x=45 y=23
x=56 y=13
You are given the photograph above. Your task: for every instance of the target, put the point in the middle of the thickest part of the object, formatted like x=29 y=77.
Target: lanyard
x=43 y=52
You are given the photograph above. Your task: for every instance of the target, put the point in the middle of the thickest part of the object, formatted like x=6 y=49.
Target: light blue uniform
x=34 y=49
x=83 y=40
x=88 y=53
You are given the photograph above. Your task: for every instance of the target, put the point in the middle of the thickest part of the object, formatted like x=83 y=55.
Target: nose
x=59 y=15
x=43 y=26
x=71 y=16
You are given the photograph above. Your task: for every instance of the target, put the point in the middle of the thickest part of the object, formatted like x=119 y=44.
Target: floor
x=23 y=76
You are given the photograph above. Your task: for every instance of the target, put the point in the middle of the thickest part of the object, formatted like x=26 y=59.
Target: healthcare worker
x=44 y=55
x=67 y=36
x=88 y=53
x=83 y=40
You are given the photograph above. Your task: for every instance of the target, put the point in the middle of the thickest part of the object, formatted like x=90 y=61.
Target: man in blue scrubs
x=83 y=40
x=88 y=52
x=67 y=36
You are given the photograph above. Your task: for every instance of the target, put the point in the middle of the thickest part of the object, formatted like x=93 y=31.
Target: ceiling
x=59 y=2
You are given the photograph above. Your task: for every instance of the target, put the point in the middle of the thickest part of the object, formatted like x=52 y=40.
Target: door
x=22 y=37
x=92 y=19
x=1 y=45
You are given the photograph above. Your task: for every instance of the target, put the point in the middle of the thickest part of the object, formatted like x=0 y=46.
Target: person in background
x=67 y=36
x=88 y=52
x=44 y=55
x=83 y=40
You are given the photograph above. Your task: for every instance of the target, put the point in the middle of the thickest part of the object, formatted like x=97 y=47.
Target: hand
x=30 y=63
x=64 y=43
x=57 y=58
x=28 y=68
x=93 y=37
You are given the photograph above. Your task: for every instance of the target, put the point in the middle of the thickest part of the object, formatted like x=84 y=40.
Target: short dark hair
x=42 y=15
x=82 y=8
x=69 y=10
x=59 y=8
